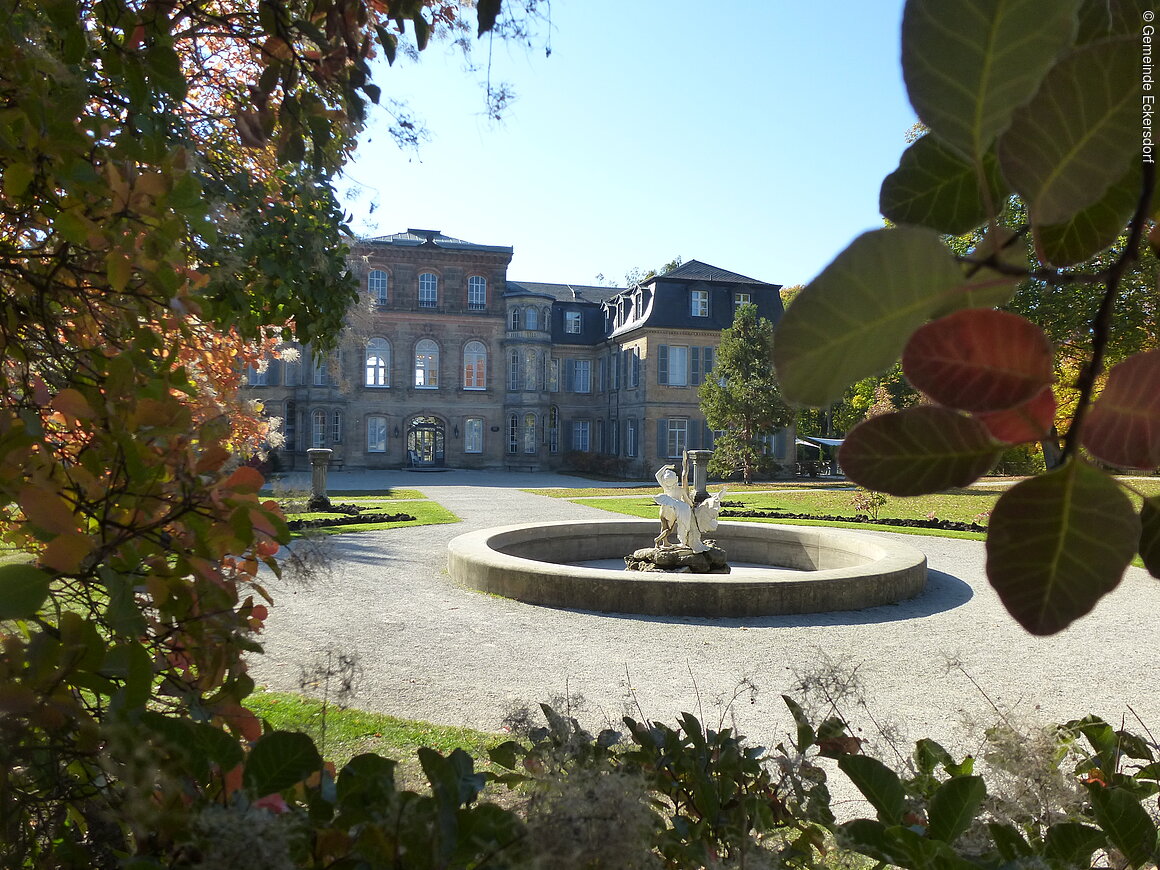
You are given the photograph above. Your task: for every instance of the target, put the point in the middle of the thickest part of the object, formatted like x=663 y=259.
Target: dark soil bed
x=344 y=519
x=944 y=525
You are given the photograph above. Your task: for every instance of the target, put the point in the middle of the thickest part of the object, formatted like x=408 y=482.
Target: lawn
x=425 y=512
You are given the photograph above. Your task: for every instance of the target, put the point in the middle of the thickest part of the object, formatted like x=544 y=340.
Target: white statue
x=679 y=512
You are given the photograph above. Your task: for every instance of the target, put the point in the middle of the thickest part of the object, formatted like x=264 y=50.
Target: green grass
x=650 y=489
x=350 y=732
x=426 y=513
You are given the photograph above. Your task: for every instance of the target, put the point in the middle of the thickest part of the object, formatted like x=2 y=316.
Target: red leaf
x=46 y=510
x=1123 y=428
x=65 y=553
x=71 y=403
x=245 y=479
x=979 y=359
x=1030 y=421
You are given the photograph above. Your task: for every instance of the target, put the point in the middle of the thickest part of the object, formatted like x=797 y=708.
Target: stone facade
x=447 y=362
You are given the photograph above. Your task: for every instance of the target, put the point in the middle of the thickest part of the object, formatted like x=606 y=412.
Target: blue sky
x=752 y=135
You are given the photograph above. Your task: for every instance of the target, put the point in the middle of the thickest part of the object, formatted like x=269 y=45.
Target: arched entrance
x=425 y=442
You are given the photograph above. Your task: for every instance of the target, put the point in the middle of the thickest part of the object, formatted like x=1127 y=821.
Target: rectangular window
x=513 y=434
x=473 y=435
x=674 y=366
x=515 y=372
x=376 y=434
x=582 y=380
x=740 y=299
x=580 y=433
x=630 y=438
x=428 y=290
x=476 y=293
x=336 y=427
x=529 y=433
x=678 y=438
x=632 y=367
x=572 y=322
x=615 y=370
x=699 y=303
x=257 y=376
x=319 y=369
x=554 y=376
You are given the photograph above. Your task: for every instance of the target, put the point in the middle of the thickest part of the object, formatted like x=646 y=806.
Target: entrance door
x=425 y=442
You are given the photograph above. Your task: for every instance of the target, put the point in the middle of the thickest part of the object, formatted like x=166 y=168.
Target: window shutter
x=709 y=439
x=695 y=366
x=569 y=435
x=695 y=427
x=663 y=364
x=710 y=360
x=662 y=439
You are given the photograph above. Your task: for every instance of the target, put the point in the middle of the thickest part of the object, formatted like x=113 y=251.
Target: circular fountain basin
x=811 y=569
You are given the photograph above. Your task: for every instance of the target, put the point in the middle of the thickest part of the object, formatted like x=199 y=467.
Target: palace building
x=447 y=362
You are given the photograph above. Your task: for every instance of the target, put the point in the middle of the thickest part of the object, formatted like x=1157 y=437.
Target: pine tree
x=741 y=396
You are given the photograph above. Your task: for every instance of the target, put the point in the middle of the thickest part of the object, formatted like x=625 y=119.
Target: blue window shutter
x=663 y=364
x=695 y=366
x=710 y=360
x=662 y=439
x=694 y=435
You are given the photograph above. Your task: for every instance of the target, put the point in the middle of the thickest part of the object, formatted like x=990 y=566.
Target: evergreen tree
x=742 y=397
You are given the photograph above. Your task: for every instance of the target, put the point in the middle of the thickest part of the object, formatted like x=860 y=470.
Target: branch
x=1102 y=323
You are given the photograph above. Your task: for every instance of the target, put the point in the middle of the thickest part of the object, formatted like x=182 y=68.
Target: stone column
x=700 y=474
x=319 y=458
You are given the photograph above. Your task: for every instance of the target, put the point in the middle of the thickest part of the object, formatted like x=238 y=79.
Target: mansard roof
x=414 y=238
x=695 y=270
x=562 y=292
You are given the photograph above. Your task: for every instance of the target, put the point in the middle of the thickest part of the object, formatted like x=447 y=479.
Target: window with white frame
x=699 y=303
x=513 y=434
x=678 y=437
x=572 y=322
x=740 y=299
x=474 y=366
x=378 y=363
x=630 y=437
x=580 y=435
x=377 y=286
x=553 y=376
x=554 y=429
x=581 y=375
x=673 y=365
x=476 y=293
x=473 y=435
x=428 y=290
x=336 y=427
x=531 y=318
x=258 y=375
x=427 y=365
x=376 y=434
x=320 y=373
x=515 y=371
x=318 y=428
x=529 y=433
x=530 y=367
x=517 y=321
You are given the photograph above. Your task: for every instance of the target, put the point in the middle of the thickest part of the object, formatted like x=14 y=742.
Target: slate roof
x=563 y=292
x=695 y=270
x=413 y=238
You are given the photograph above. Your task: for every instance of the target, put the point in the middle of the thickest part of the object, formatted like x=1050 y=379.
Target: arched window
x=513 y=434
x=529 y=433
x=318 y=428
x=474 y=366
x=428 y=290
x=427 y=364
x=546 y=317
x=378 y=363
x=476 y=293
x=377 y=286
x=517 y=319
x=530 y=380
x=531 y=318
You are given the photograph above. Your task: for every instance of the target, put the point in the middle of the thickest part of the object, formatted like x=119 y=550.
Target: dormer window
x=572 y=322
x=740 y=299
x=699 y=303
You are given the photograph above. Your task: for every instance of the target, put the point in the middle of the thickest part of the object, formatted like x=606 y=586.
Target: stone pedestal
x=678 y=560
x=319 y=459
x=700 y=474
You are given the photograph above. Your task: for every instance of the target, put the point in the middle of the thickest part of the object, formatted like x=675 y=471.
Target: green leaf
x=1093 y=228
x=878 y=783
x=1125 y=822
x=1079 y=134
x=422 y=30
x=928 y=755
x=1009 y=843
x=970 y=64
x=979 y=359
x=1072 y=843
x=805 y=732
x=853 y=320
x=1059 y=542
x=934 y=187
x=1123 y=427
x=23 y=589
x=17 y=177
x=389 y=42
x=918 y=450
x=1150 y=535
x=365 y=787
x=1101 y=19
x=953 y=807
x=279 y=760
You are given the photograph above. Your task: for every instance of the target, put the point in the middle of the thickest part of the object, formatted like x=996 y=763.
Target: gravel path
x=432 y=650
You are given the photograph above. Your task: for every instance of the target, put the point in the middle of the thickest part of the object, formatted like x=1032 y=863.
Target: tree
x=742 y=396
x=1044 y=104
x=166 y=217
